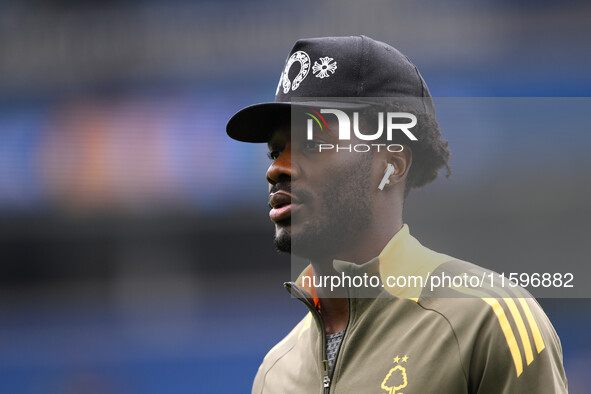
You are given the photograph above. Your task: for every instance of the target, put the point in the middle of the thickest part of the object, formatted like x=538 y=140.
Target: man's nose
x=281 y=168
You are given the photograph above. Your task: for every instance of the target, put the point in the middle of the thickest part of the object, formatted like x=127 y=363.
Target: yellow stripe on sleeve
x=529 y=356
x=533 y=325
x=511 y=341
x=505 y=326
x=521 y=325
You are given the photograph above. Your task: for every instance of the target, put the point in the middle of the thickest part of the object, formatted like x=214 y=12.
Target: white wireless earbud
x=390 y=169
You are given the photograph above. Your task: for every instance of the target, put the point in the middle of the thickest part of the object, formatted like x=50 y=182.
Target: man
x=337 y=191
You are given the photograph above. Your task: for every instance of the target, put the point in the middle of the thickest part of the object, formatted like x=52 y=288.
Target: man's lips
x=280 y=203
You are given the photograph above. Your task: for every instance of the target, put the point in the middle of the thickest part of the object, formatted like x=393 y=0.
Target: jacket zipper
x=326 y=379
x=326 y=371
x=304 y=297
x=325 y=366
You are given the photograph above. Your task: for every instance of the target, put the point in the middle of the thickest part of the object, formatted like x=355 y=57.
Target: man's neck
x=334 y=303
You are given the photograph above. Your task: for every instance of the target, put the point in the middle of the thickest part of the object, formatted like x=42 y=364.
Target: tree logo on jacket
x=396 y=378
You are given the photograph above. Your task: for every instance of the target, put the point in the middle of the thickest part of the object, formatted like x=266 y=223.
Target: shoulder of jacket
x=278 y=351
x=487 y=312
x=288 y=341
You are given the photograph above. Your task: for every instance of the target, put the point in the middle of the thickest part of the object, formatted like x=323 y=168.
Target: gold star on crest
x=396 y=359
x=405 y=358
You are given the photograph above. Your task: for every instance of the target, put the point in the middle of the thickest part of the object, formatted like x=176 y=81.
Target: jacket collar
x=403 y=256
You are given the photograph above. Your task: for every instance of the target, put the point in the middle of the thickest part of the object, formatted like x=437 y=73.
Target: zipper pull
x=326 y=378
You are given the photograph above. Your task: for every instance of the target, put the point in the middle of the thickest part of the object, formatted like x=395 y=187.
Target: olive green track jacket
x=414 y=339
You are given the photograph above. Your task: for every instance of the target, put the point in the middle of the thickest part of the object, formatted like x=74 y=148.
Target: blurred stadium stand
x=135 y=250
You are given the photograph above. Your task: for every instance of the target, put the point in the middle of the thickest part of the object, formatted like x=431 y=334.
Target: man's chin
x=283 y=239
x=303 y=243
x=283 y=244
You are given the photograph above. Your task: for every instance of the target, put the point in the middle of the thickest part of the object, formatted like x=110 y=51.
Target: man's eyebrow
x=276 y=140
x=332 y=127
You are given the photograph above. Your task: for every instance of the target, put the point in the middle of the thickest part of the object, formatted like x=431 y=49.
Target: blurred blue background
x=135 y=250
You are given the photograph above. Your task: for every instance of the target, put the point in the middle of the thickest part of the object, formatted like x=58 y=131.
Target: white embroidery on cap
x=279 y=84
x=304 y=60
x=321 y=69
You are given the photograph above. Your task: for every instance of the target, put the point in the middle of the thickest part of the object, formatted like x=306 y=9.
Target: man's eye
x=311 y=146
x=273 y=155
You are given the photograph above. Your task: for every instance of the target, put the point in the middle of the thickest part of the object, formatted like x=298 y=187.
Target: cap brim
x=257 y=122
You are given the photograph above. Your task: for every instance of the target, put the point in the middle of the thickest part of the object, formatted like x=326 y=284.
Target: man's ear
x=402 y=161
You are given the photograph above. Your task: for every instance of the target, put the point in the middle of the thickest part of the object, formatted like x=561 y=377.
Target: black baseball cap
x=357 y=68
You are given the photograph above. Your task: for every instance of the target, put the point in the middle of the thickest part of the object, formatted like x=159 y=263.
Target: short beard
x=345 y=212
x=283 y=241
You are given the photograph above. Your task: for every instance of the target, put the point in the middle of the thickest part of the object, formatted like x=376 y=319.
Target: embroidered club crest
x=396 y=378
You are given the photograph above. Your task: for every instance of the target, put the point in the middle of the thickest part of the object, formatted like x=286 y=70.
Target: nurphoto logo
x=393 y=125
